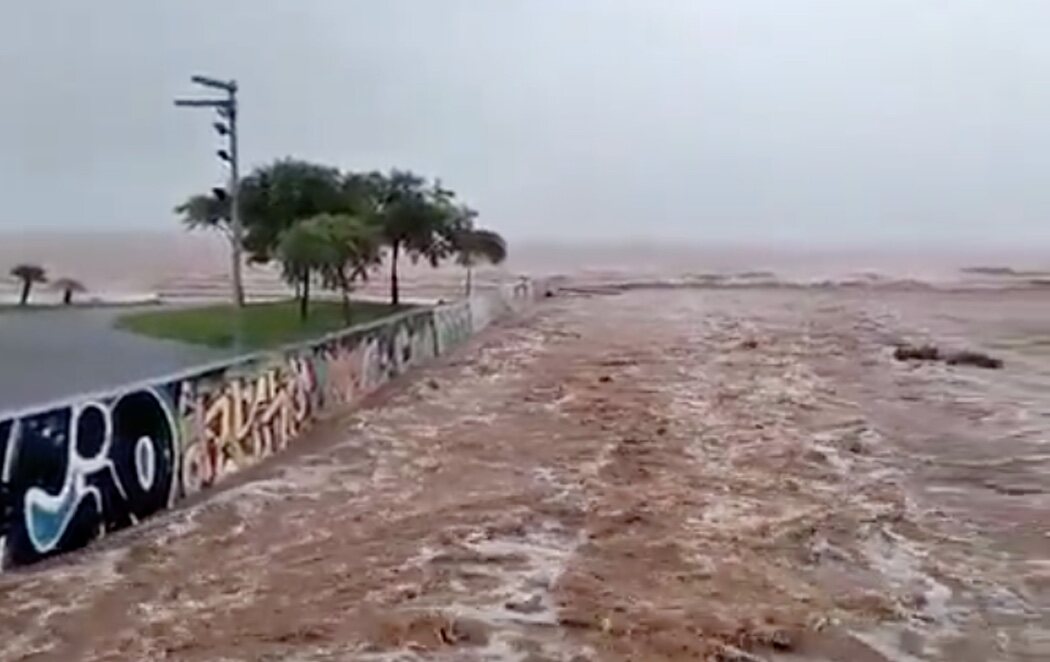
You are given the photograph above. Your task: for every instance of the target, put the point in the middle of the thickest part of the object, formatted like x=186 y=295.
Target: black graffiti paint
x=80 y=471
x=145 y=456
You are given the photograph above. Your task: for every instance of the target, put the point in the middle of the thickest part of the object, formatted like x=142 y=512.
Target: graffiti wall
x=235 y=417
x=72 y=473
x=504 y=300
x=452 y=325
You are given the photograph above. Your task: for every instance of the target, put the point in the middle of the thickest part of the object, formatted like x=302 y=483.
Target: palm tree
x=68 y=286
x=474 y=245
x=304 y=249
x=208 y=212
x=28 y=274
x=212 y=212
x=415 y=219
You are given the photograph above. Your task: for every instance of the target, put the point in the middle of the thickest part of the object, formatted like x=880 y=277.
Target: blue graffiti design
x=47 y=515
x=120 y=463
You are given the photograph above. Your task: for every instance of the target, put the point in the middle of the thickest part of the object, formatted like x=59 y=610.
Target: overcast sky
x=860 y=121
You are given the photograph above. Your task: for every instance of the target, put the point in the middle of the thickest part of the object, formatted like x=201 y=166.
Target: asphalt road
x=46 y=355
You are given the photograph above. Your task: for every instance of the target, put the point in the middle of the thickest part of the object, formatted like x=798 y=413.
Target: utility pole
x=226 y=127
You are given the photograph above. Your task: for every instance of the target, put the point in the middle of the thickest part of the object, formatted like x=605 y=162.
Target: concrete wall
x=73 y=471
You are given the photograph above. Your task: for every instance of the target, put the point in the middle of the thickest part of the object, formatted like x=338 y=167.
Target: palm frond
x=30 y=273
x=477 y=244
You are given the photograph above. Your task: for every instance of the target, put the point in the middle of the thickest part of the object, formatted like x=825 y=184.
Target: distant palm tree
x=68 y=287
x=28 y=274
x=473 y=245
x=416 y=219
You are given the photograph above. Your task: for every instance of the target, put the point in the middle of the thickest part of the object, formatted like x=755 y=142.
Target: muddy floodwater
x=719 y=474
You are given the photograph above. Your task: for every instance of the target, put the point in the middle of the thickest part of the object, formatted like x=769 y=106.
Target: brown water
x=952 y=465
x=194 y=266
x=669 y=474
x=868 y=509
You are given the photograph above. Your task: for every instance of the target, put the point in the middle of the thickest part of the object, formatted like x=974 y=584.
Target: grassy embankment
x=264 y=325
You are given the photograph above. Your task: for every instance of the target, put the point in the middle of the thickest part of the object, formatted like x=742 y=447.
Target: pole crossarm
x=207 y=81
x=204 y=103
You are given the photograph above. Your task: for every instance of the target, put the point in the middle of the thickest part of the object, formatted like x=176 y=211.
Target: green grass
x=265 y=325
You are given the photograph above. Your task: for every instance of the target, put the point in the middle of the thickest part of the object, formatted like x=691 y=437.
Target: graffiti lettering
x=244 y=420
x=341 y=369
x=453 y=325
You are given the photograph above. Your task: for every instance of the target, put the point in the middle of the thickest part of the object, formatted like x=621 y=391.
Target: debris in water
x=917 y=353
x=975 y=359
x=932 y=353
x=530 y=606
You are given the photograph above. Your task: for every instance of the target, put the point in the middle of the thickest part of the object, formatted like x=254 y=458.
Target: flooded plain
x=676 y=474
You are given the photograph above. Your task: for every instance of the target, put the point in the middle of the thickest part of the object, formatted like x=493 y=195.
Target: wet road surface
x=50 y=354
x=650 y=476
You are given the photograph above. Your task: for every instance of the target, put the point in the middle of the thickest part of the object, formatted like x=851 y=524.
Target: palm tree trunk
x=470 y=280
x=26 y=284
x=67 y=296
x=395 y=295
x=304 y=301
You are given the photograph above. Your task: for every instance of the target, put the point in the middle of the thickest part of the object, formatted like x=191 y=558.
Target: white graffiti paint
x=5 y=475
x=47 y=516
x=145 y=462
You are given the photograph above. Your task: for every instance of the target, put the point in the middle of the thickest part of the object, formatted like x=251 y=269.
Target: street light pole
x=227 y=109
x=236 y=225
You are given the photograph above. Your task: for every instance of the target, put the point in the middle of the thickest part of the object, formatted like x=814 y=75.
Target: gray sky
x=710 y=120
